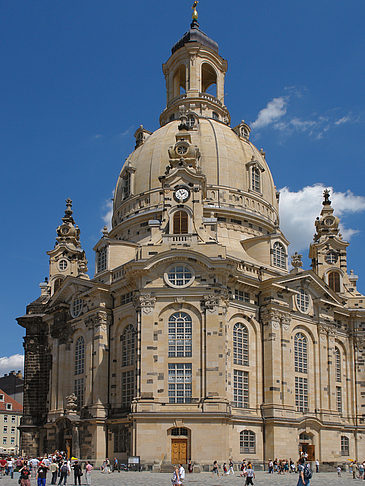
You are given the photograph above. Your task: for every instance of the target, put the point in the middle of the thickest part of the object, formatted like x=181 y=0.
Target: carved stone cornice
x=212 y=301
x=99 y=319
x=145 y=302
x=276 y=318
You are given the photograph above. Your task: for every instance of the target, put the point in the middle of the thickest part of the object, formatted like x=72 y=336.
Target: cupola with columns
x=195 y=67
x=67 y=256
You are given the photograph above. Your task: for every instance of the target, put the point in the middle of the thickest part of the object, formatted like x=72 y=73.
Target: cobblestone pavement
x=202 y=479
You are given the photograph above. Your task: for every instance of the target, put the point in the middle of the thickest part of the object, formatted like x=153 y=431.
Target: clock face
x=328 y=221
x=182 y=194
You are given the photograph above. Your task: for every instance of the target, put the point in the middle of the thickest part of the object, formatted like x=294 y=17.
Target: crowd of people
x=57 y=465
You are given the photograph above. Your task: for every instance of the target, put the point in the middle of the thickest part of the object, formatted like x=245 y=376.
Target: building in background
x=10 y=415
x=13 y=384
x=196 y=338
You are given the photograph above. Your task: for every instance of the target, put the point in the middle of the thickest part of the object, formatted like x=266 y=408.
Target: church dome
x=235 y=170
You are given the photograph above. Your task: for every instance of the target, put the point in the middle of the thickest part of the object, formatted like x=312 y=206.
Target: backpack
x=307 y=473
x=64 y=469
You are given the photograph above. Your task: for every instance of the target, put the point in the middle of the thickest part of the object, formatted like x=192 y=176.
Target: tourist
x=215 y=469
x=190 y=467
x=225 y=470
x=250 y=474
x=317 y=466
x=230 y=470
x=64 y=472
x=88 y=469
x=176 y=477
x=42 y=474
x=77 y=472
x=181 y=473
x=54 y=470
x=305 y=473
x=338 y=470
x=116 y=465
x=25 y=475
x=10 y=467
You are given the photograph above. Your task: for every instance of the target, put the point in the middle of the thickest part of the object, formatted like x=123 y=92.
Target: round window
x=302 y=301
x=179 y=276
x=62 y=265
x=76 y=307
x=181 y=149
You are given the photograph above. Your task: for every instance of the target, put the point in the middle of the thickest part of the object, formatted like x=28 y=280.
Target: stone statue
x=71 y=403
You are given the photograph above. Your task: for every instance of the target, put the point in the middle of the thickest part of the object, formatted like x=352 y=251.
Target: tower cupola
x=194 y=76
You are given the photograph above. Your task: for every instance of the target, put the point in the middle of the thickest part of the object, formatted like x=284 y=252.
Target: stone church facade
x=196 y=339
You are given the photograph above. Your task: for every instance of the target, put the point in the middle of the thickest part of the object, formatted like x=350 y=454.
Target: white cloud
x=273 y=111
x=11 y=363
x=298 y=211
x=276 y=115
x=342 y=120
x=108 y=213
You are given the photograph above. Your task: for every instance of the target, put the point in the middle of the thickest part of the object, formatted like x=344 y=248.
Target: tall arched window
x=255 y=179
x=334 y=281
x=128 y=378
x=300 y=353
x=79 y=371
x=180 y=223
x=301 y=366
x=128 y=342
x=338 y=364
x=247 y=442
x=180 y=335
x=240 y=344
x=80 y=356
x=278 y=255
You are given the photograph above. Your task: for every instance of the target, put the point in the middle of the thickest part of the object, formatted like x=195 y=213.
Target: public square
x=159 y=479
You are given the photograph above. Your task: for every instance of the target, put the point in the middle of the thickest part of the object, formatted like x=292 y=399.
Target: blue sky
x=77 y=79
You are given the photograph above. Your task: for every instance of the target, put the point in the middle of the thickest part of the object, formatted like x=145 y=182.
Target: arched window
x=209 y=79
x=128 y=342
x=79 y=370
x=338 y=364
x=57 y=284
x=180 y=335
x=300 y=353
x=80 y=356
x=247 y=442
x=278 y=255
x=128 y=381
x=180 y=80
x=334 y=281
x=345 y=446
x=180 y=222
x=240 y=344
x=255 y=179
x=101 y=258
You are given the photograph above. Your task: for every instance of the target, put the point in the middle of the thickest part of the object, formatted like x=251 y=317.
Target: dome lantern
x=194 y=76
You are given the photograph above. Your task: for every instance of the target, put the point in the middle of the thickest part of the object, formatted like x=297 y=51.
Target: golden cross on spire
x=195 y=12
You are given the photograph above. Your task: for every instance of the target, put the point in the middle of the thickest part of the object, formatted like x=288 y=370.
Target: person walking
x=250 y=475
x=215 y=469
x=42 y=474
x=181 y=473
x=25 y=475
x=53 y=467
x=88 y=469
x=317 y=466
x=176 y=481
x=64 y=472
x=77 y=472
x=230 y=470
x=305 y=473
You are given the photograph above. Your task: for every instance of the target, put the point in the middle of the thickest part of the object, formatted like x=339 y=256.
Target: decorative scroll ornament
x=145 y=302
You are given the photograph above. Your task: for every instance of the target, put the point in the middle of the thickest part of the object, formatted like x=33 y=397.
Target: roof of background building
x=15 y=406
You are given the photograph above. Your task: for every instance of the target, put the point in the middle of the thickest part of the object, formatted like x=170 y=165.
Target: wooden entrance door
x=179 y=449
x=309 y=449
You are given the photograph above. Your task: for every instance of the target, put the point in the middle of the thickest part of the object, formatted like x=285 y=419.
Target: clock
x=328 y=221
x=182 y=194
